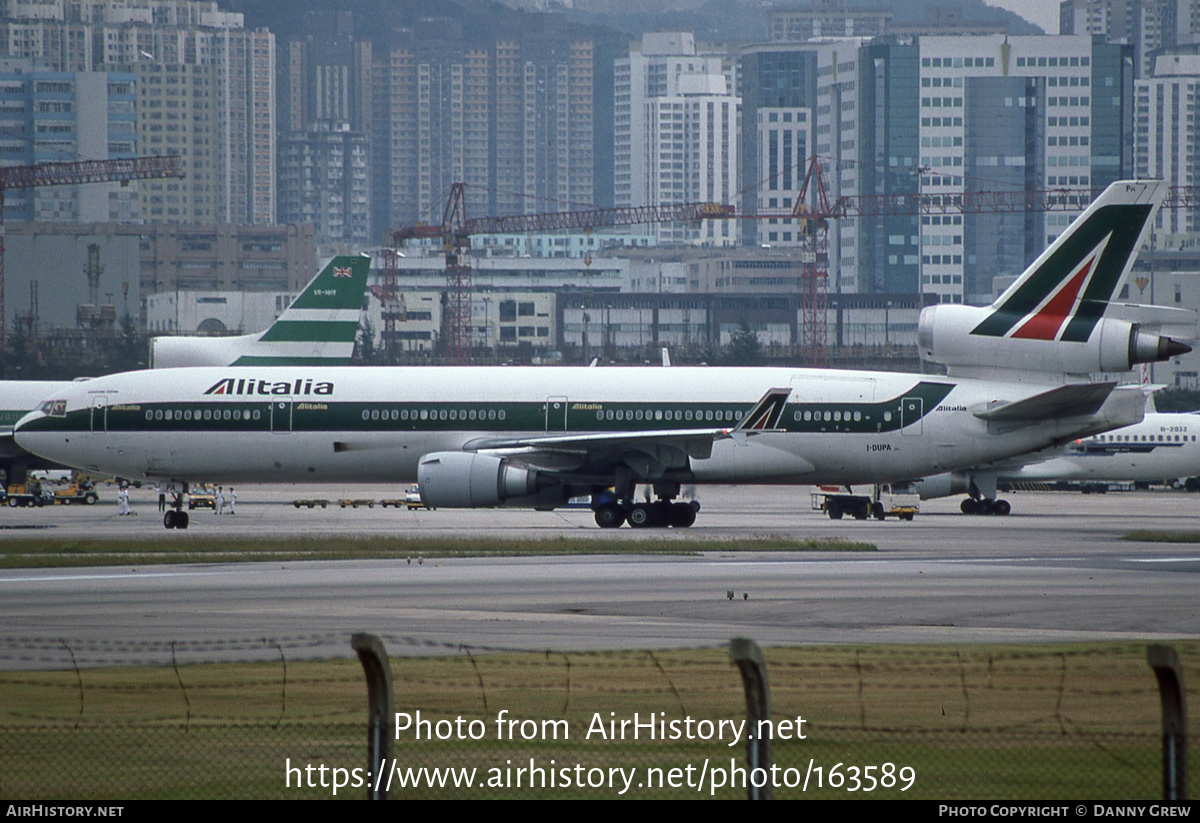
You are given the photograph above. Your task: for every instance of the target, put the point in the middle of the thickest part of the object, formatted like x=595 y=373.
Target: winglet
x=766 y=413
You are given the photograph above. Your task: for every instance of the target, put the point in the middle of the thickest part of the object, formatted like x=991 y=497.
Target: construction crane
x=72 y=174
x=456 y=230
x=814 y=276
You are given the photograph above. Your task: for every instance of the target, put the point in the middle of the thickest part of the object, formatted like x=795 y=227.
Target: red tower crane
x=70 y=174
x=456 y=231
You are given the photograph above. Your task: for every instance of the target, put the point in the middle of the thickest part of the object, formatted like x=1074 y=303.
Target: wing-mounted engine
x=465 y=480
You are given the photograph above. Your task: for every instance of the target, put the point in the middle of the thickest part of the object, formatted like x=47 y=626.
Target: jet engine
x=464 y=480
x=943 y=485
x=956 y=335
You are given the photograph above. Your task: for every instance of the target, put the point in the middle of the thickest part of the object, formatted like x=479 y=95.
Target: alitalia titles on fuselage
x=242 y=386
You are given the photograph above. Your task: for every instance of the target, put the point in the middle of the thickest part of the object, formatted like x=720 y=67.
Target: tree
x=364 y=349
x=1177 y=400
x=744 y=348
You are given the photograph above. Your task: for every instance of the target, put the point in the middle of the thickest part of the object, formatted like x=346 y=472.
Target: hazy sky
x=1042 y=13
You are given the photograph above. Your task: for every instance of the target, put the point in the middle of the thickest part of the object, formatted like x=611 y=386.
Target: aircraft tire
x=641 y=516
x=1001 y=507
x=969 y=506
x=169 y=519
x=609 y=516
x=682 y=515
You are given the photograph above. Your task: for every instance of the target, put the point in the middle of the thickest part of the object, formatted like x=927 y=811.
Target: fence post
x=748 y=657
x=373 y=656
x=1165 y=663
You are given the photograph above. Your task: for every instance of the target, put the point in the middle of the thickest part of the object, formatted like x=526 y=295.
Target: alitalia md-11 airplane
x=537 y=436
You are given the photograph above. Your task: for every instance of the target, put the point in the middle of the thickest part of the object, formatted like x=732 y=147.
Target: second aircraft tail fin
x=318 y=328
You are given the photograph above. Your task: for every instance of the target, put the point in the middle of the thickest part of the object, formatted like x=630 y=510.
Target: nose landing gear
x=176 y=517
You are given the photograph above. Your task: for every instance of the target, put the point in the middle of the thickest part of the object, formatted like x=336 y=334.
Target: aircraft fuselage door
x=912 y=414
x=281 y=415
x=100 y=413
x=556 y=414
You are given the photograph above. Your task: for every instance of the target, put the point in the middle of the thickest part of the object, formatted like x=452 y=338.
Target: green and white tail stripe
x=325 y=314
x=318 y=329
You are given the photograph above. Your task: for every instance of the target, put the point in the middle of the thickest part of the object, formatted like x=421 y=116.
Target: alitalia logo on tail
x=1049 y=319
x=241 y=386
x=1065 y=293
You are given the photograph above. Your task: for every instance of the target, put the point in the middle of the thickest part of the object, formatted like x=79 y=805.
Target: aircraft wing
x=695 y=443
x=669 y=446
x=1072 y=400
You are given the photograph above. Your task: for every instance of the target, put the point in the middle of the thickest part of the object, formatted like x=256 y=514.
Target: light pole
x=920 y=172
x=587 y=319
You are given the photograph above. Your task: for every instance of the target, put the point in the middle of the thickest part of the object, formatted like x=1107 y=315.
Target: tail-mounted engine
x=956 y=335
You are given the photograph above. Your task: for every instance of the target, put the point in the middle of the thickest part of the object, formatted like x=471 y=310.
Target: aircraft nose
x=21 y=428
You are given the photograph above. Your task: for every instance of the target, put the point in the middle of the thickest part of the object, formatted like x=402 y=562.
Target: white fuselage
x=374 y=424
x=1162 y=447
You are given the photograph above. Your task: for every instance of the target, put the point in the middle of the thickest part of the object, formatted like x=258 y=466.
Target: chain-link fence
x=266 y=718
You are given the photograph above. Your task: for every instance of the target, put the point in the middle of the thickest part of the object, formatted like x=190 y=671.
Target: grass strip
x=1162 y=537
x=972 y=722
x=43 y=553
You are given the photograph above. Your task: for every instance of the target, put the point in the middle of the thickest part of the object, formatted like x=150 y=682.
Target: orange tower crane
x=72 y=174
x=456 y=231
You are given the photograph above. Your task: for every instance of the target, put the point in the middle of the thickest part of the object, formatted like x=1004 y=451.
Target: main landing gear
x=176 y=517
x=985 y=506
x=611 y=511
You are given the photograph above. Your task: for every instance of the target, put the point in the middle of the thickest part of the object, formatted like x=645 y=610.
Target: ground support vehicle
x=202 y=497
x=76 y=493
x=899 y=500
x=29 y=494
x=412 y=498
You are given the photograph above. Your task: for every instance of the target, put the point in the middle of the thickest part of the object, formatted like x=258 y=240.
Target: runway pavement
x=1053 y=570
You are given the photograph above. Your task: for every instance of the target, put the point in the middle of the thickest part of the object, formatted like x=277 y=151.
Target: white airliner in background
x=535 y=437
x=317 y=328
x=1163 y=447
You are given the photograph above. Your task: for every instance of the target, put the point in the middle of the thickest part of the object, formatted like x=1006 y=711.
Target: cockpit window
x=54 y=408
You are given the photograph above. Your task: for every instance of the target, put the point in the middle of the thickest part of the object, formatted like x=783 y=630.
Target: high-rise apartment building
x=325 y=91
x=952 y=115
x=1165 y=142
x=675 y=123
x=52 y=116
x=826 y=18
x=189 y=44
x=778 y=88
x=1147 y=25
x=324 y=180
x=510 y=114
